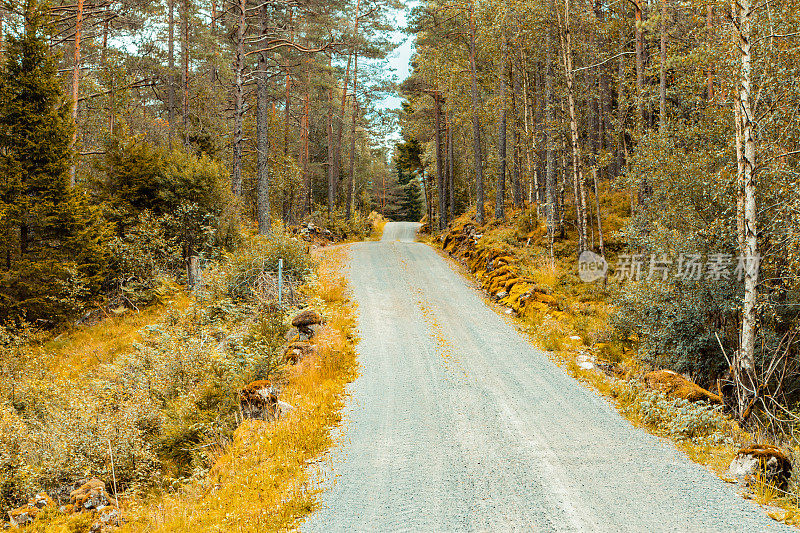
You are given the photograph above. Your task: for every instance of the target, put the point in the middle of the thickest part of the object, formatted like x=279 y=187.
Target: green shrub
x=673 y=417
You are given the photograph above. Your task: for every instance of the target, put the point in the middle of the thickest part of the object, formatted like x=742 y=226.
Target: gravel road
x=458 y=424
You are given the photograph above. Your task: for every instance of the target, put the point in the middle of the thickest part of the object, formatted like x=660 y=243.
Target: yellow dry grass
x=263 y=481
x=81 y=350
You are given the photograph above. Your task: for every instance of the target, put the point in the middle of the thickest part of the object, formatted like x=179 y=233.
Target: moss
x=673 y=384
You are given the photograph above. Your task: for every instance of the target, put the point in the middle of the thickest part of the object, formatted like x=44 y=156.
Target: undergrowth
x=165 y=405
x=262 y=481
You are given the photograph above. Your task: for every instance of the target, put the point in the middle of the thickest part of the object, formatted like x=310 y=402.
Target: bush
x=239 y=276
x=358 y=227
x=673 y=417
x=165 y=406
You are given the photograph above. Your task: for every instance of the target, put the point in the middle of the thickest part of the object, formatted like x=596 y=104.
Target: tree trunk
x=76 y=74
x=262 y=134
x=640 y=119
x=710 y=29
x=331 y=176
x=550 y=170
x=213 y=71
x=337 y=151
x=428 y=205
x=352 y=169
x=185 y=69
x=440 y=179
x=2 y=34
x=621 y=93
x=476 y=122
x=238 y=103
x=309 y=193
x=112 y=80
x=515 y=144
x=737 y=117
x=746 y=364
x=577 y=174
x=288 y=95
x=599 y=214
x=500 y=191
x=450 y=165
x=192 y=272
x=662 y=92
x=171 y=69
x=527 y=127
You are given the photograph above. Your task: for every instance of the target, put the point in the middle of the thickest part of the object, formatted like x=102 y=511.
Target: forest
x=655 y=134
x=151 y=146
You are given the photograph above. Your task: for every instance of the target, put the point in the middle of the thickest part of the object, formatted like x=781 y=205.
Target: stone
x=283 y=408
x=761 y=463
x=24 y=515
x=673 y=384
x=259 y=400
x=298 y=350
x=89 y=496
x=304 y=320
x=109 y=515
x=584 y=362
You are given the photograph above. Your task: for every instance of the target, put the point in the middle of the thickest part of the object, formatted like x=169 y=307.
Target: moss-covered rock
x=677 y=386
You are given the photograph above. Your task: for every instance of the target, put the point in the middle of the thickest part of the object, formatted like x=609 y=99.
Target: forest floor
x=458 y=423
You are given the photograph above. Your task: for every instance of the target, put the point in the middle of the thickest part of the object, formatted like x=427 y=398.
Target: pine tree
x=53 y=239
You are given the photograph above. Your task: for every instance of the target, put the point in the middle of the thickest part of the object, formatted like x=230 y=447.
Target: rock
x=297 y=350
x=761 y=462
x=24 y=515
x=41 y=500
x=500 y=295
x=675 y=385
x=305 y=320
x=259 y=400
x=109 y=515
x=584 y=362
x=284 y=408
x=91 y=495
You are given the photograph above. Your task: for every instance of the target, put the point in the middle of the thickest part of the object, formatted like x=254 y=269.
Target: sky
x=398 y=64
x=400 y=60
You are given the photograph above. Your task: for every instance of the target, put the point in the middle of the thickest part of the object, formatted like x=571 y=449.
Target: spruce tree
x=54 y=253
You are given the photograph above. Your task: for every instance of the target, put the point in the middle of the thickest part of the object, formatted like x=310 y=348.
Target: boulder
x=24 y=515
x=298 y=350
x=305 y=320
x=260 y=401
x=91 y=495
x=673 y=384
x=761 y=463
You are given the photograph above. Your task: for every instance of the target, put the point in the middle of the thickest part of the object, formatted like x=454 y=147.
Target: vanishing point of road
x=457 y=423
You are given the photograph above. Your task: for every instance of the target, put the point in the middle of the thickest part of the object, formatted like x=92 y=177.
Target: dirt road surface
x=457 y=423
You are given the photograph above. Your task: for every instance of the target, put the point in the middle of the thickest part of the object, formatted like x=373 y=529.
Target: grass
x=81 y=350
x=263 y=480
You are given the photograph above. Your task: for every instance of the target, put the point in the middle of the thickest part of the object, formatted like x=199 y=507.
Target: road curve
x=458 y=424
